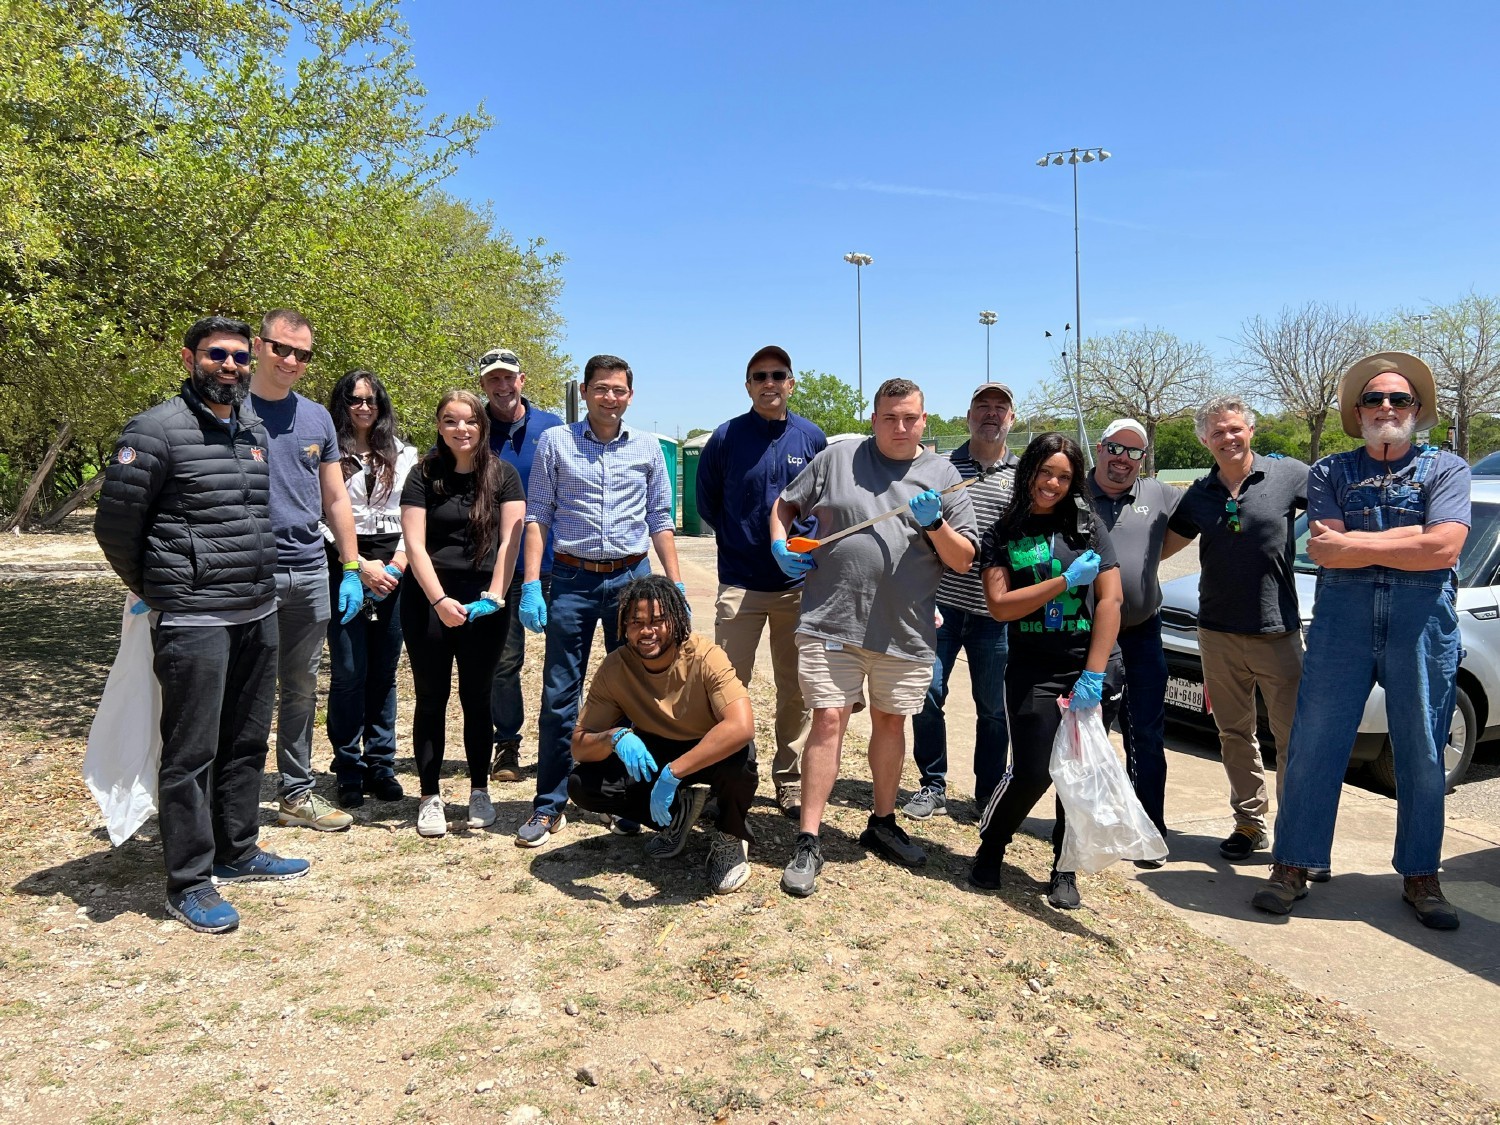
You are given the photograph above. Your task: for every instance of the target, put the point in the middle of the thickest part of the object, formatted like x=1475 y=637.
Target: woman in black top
x=1049 y=569
x=461 y=516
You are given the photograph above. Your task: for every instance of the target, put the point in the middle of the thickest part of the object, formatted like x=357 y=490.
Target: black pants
x=1031 y=693
x=606 y=787
x=218 y=689
x=432 y=649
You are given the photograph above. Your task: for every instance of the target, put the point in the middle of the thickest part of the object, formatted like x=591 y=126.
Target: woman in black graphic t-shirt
x=1049 y=569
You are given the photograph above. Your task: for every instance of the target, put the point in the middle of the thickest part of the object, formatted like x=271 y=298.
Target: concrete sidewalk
x=1351 y=939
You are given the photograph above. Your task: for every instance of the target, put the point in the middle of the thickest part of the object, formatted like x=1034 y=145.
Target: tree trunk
x=1149 y=468
x=72 y=500
x=28 y=498
x=1315 y=426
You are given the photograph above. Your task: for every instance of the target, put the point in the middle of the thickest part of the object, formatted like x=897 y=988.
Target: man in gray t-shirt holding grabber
x=868 y=606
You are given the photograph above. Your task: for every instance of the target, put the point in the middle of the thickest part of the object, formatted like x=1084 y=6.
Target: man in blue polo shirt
x=516 y=425
x=745 y=465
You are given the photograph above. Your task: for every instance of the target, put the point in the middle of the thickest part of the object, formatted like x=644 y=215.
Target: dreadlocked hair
x=670 y=604
x=1074 y=513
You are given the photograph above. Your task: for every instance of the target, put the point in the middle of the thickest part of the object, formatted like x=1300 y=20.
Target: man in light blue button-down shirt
x=602 y=490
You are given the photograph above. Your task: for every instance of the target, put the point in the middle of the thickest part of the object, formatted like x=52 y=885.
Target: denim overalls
x=1374 y=624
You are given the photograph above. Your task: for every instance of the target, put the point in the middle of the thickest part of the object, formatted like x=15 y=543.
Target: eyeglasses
x=776 y=376
x=304 y=355
x=360 y=400
x=607 y=392
x=219 y=355
x=1232 y=510
x=1401 y=400
x=1115 y=449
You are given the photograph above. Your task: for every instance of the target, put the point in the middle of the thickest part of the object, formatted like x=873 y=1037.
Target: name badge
x=1052 y=616
x=833 y=646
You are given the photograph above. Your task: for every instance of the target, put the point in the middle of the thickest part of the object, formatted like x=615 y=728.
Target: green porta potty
x=692 y=453
x=669 y=455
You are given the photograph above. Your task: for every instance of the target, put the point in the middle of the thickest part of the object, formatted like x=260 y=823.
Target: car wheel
x=1463 y=732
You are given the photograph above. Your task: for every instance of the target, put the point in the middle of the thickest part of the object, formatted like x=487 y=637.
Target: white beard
x=1388 y=433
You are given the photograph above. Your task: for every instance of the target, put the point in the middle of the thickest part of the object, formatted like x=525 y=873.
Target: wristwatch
x=935 y=524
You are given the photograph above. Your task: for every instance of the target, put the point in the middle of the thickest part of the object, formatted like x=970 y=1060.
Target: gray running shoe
x=886 y=837
x=926 y=802
x=801 y=874
x=728 y=863
x=685 y=811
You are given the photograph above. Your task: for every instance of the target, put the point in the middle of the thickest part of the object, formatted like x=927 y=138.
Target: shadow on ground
x=57 y=642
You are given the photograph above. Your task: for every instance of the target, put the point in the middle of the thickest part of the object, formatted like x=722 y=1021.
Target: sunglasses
x=304 y=355
x=1115 y=449
x=360 y=400
x=219 y=355
x=490 y=357
x=1398 y=399
x=776 y=376
x=1232 y=510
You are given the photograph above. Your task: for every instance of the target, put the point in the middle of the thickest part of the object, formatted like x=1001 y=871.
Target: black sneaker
x=385 y=788
x=882 y=834
x=1319 y=874
x=507 y=766
x=800 y=876
x=985 y=874
x=1239 y=844
x=1063 y=893
x=351 y=796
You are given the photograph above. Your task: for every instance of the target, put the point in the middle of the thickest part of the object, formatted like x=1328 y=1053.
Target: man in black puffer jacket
x=184 y=519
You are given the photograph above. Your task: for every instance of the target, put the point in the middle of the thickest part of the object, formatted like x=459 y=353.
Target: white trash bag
x=1105 y=820
x=125 y=739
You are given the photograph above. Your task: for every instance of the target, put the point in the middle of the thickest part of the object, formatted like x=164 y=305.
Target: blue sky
x=704 y=167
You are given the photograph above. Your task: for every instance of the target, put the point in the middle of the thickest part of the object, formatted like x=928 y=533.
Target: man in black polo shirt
x=1249 y=628
x=1136 y=511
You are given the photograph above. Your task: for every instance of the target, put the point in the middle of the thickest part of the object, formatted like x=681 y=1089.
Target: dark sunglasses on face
x=777 y=376
x=304 y=355
x=361 y=400
x=1232 y=510
x=1115 y=449
x=1399 y=399
x=219 y=355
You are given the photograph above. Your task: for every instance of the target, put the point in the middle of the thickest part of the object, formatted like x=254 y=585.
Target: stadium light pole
x=1075 y=157
x=987 y=319
x=859 y=262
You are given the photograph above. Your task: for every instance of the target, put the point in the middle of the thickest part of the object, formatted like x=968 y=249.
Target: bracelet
x=619 y=734
x=351 y=565
x=439 y=601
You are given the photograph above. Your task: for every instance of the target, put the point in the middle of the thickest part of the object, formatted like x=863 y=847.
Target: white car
x=1476 y=713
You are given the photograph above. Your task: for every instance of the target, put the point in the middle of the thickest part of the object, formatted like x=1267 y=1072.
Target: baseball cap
x=776 y=353
x=1124 y=424
x=1001 y=387
x=498 y=359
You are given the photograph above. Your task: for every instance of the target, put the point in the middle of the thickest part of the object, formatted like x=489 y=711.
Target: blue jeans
x=581 y=600
x=1398 y=629
x=507 y=711
x=363 y=656
x=984 y=640
x=302 y=615
x=1143 y=718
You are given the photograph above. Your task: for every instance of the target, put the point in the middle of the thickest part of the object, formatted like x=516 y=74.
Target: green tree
x=1461 y=342
x=830 y=403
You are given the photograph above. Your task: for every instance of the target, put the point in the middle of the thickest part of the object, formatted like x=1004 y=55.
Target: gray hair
x=1220 y=404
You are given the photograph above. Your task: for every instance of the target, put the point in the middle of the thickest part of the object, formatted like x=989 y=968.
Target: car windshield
x=1475 y=565
x=1487 y=466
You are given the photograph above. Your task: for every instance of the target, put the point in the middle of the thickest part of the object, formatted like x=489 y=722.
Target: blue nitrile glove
x=639 y=763
x=661 y=796
x=351 y=596
x=1087 y=692
x=794 y=564
x=682 y=589
x=375 y=596
x=1082 y=570
x=533 y=606
x=139 y=608
x=926 y=507
x=481 y=608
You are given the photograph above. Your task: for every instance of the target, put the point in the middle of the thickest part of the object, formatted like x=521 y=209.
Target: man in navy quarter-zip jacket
x=745 y=465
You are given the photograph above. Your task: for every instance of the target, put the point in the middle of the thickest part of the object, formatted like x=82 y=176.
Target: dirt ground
x=465 y=979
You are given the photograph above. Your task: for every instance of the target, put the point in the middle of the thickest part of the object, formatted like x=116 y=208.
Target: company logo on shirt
x=792 y=459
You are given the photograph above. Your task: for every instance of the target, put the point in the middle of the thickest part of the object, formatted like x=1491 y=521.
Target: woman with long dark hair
x=363 y=654
x=461 y=512
x=1049 y=569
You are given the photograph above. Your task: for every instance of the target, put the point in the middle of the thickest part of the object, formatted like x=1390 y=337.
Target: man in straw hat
x=1387 y=522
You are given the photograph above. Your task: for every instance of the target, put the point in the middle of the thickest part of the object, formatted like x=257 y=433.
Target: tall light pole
x=1421 y=319
x=859 y=262
x=987 y=319
x=1075 y=157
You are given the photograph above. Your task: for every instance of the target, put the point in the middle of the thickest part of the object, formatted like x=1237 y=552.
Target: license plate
x=1186 y=694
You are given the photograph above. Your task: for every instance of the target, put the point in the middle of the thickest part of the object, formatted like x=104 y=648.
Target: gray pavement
x=1351 y=940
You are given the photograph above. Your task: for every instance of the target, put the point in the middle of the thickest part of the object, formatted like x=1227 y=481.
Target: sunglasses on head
x=1399 y=399
x=776 y=376
x=490 y=357
x=1115 y=449
x=304 y=355
x=1232 y=510
x=360 y=400
x=219 y=355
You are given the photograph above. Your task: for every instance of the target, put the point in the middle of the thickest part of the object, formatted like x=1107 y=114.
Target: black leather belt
x=599 y=566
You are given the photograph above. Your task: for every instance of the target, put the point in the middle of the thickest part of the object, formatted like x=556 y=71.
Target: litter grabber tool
x=803 y=544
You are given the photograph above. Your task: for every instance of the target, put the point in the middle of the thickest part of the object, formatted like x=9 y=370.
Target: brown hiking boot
x=1426 y=898
x=1285 y=886
x=789 y=799
x=507 y=766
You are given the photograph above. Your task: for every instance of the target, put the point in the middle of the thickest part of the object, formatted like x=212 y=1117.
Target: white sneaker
x=430 y=818
x=481 y=812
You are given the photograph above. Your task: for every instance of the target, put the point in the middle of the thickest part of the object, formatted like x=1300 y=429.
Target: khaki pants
x=740 y=616
x=1234 y=665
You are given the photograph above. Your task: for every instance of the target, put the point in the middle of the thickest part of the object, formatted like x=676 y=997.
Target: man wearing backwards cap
x=1136 y=512
x=745 y=465
x=1387 y=524
x=966 y=621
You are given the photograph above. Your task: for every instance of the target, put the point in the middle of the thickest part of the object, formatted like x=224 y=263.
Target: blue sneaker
x=624 y=826
x=203 y=910
x=535 y=831
x=260 y=867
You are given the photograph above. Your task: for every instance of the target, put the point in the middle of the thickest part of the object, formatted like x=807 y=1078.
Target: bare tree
x=1461 y=343
x=1297 y=359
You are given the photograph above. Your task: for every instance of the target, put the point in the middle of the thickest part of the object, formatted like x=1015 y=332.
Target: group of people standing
x=255 y=522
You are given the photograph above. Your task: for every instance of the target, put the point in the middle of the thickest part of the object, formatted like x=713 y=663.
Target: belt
x=599 y=566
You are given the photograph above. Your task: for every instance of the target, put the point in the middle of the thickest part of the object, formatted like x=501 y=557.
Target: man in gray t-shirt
x=868 y=606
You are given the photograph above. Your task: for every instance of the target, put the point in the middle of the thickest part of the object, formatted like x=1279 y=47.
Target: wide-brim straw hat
x=1408 y=366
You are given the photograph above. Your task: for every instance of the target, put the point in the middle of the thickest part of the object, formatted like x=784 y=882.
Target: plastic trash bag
x=125 y=739
x=1105 y=820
